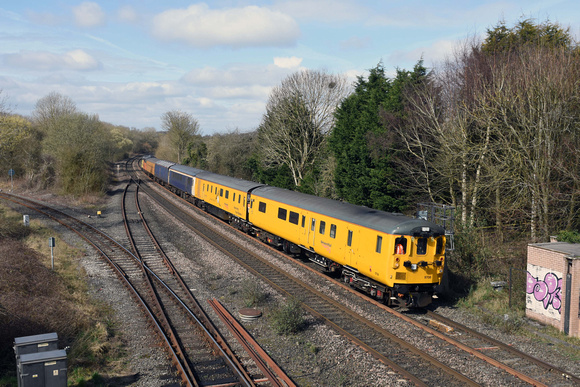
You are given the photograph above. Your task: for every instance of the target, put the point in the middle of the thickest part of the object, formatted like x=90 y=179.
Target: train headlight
x=396 y=263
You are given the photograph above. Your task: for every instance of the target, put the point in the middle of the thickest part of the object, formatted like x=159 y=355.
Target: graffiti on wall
x=544 y=291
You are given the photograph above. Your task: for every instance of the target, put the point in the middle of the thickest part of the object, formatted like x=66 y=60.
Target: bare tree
x=498 y=129
x=299 y=116
x=181 y=127
x=51 y=107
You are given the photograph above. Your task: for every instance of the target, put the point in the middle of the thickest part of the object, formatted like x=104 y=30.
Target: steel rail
x=266 y=364
x=117 y=269
x=549 y=367
x=169 y=332
x=219 y=343
x=458 y=376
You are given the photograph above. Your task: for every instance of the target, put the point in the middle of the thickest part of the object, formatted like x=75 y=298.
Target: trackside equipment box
x=42 y=369
x=36 y=343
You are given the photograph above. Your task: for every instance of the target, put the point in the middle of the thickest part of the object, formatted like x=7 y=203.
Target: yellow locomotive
x=394 y=258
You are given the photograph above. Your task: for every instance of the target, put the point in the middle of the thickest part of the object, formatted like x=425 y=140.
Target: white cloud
x=288 y=62
x=43 y=60
x=127 y=14
x=201 y=26
x=88 y=14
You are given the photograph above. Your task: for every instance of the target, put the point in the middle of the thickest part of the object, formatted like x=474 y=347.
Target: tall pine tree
x=366 y=173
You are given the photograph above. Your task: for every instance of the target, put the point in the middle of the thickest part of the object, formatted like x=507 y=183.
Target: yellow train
x=394 y=258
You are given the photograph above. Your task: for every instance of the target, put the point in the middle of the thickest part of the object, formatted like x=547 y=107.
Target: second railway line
x=475 y=367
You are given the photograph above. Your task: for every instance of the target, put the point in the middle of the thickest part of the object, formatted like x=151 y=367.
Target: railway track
x=501 y=353
x=380 y=342
x=199 y=353
x=414 y=365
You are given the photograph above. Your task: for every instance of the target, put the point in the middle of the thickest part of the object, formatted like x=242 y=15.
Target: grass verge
x=35 y=299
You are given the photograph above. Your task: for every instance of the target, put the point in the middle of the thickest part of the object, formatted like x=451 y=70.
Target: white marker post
x=11 y=174
x=51 y=244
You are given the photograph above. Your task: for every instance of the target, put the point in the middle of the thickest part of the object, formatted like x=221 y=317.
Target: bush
x=252 y=293
x=569 y=236
x=288 y=317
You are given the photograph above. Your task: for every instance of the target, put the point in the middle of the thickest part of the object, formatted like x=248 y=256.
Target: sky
x=130 y=61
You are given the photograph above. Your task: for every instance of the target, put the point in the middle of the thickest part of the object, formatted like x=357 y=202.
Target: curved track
x=410 y=362
x=198 y=352
x=376 y=340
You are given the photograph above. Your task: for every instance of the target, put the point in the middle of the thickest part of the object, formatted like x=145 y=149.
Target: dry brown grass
x=35 y=299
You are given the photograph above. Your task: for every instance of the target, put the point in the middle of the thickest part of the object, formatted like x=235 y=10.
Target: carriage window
x=333 y=230
x=234 y=197
x=282 y=213
x=379 y=244
x=293 y=217
x=313 y=225
x=303 y=221
x=349 y=241
x=222 y=192
x=262 y=207
x=439 y=248
x=227 y=194
x=401 y=245
x=322 y=227
x=421 y=246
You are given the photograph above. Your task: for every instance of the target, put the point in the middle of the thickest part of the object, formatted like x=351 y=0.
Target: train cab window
x=227 y=194
x=333 y=231
x=401 y=245
x=349 y=240
x=293 y=217
x=282 y=213
x=421 y=246
x=222 y=192
x=303 y=221
x=262 y=207
x=322 y=227
x=439 y=247
x=379 y=244
x=313 y=224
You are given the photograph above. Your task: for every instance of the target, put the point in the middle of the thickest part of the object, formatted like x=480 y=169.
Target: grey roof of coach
x=191 y=171
x=231 y=182
x=391 y=223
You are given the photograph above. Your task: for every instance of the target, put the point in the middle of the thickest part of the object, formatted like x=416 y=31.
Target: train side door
x=312 y=233
x=350 y=249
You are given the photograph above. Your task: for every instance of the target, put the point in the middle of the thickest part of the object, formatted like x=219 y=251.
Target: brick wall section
x=555 y=256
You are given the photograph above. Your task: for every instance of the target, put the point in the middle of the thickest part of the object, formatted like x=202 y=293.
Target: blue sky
x=131 y=61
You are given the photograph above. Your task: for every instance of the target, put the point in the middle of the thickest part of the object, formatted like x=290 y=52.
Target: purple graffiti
x=547 y=291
